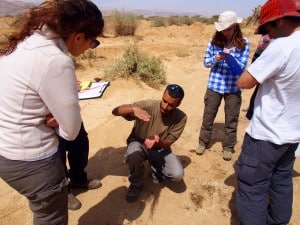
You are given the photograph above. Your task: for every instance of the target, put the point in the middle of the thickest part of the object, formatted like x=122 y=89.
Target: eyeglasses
x=175 y=91
x=95 y=43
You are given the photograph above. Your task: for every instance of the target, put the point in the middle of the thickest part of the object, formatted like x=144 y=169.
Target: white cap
x=226 y=19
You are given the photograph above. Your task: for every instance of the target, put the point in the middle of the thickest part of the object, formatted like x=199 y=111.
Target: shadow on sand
x=113 y=209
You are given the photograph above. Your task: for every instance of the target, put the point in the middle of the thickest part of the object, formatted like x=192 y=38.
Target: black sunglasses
x=95 y=43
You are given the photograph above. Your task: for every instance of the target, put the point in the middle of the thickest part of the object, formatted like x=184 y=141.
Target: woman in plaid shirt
x=225 y=70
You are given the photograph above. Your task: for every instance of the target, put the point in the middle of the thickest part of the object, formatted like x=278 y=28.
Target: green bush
x=139 y=66
x=174 y=20
x=124 y=23
x=206 y=20
x=179 y=20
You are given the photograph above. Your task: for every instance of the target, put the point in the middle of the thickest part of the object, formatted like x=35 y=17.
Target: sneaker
x=90 y=184
x=133 y=192
x=227 y=155
x=73 y=202
x=200 y=150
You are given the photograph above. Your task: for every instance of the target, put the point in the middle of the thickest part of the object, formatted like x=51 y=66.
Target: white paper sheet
x=95 y=91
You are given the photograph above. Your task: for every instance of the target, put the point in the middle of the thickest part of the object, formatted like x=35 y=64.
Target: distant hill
x=13 y=7
x=149 y=13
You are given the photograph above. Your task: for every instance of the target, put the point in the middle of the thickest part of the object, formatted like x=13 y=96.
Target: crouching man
x=158 y=124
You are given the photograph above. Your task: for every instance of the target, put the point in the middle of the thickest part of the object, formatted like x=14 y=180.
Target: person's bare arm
x=246 y=80
x=125 y=110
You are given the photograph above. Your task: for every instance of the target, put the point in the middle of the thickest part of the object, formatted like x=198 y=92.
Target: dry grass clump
x=159 y=21
x=139 y=66
x=123 y=23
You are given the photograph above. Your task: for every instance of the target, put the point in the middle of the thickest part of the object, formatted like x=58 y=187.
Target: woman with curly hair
x=227 y=55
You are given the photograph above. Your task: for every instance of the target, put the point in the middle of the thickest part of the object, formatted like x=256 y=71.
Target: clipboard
x=232 y=63
x=95 y=90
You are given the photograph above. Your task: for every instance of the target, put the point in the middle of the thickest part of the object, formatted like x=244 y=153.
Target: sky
x=243 y=8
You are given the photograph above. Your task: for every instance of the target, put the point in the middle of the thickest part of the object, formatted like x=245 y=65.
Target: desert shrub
x=196 y=18
x=139 y=66
x=158 y=21
x=151 y=71
x=124 y=23
x=206 y=20
x=185 y=20
x=179 y=20
x=211 y=20
x=173 y=20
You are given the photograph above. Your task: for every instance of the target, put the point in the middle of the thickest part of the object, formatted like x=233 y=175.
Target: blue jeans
x=77 y=152
x=163 y=162
x=265 y=185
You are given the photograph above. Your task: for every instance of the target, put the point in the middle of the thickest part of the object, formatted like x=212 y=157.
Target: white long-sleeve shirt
x=37 y=79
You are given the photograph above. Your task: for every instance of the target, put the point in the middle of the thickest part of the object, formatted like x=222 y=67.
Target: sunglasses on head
x=175 y=91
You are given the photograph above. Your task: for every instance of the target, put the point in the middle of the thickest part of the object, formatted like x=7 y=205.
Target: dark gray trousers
x=164 y=163
x=212 y=101
x=44 y=184
x=265 y=184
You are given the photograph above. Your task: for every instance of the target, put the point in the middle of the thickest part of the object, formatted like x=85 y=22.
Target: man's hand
x=141 y=114
x=51 y=121
x=151 y=141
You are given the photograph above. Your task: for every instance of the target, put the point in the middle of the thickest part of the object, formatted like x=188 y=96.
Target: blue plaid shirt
x=221 y=79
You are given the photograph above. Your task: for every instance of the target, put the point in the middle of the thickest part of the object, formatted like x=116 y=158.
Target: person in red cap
x=265 y=165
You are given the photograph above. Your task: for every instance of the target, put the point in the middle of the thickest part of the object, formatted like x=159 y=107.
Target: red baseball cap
x=276 y=9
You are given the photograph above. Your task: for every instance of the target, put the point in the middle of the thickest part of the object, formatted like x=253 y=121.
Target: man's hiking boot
x=133 y=192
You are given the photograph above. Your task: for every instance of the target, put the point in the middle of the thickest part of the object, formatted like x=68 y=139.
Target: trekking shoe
x=227 y=155
x=90 y=184
x=73 y=202
x=133 y=192
x=200 y=150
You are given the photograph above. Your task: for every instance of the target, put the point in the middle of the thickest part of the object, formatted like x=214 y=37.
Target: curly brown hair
x=63 y=17
x=238 y=40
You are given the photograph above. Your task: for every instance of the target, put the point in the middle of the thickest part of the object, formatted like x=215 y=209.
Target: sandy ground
x=206 y=195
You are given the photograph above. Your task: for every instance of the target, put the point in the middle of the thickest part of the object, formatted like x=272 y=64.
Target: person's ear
x=78 y=38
